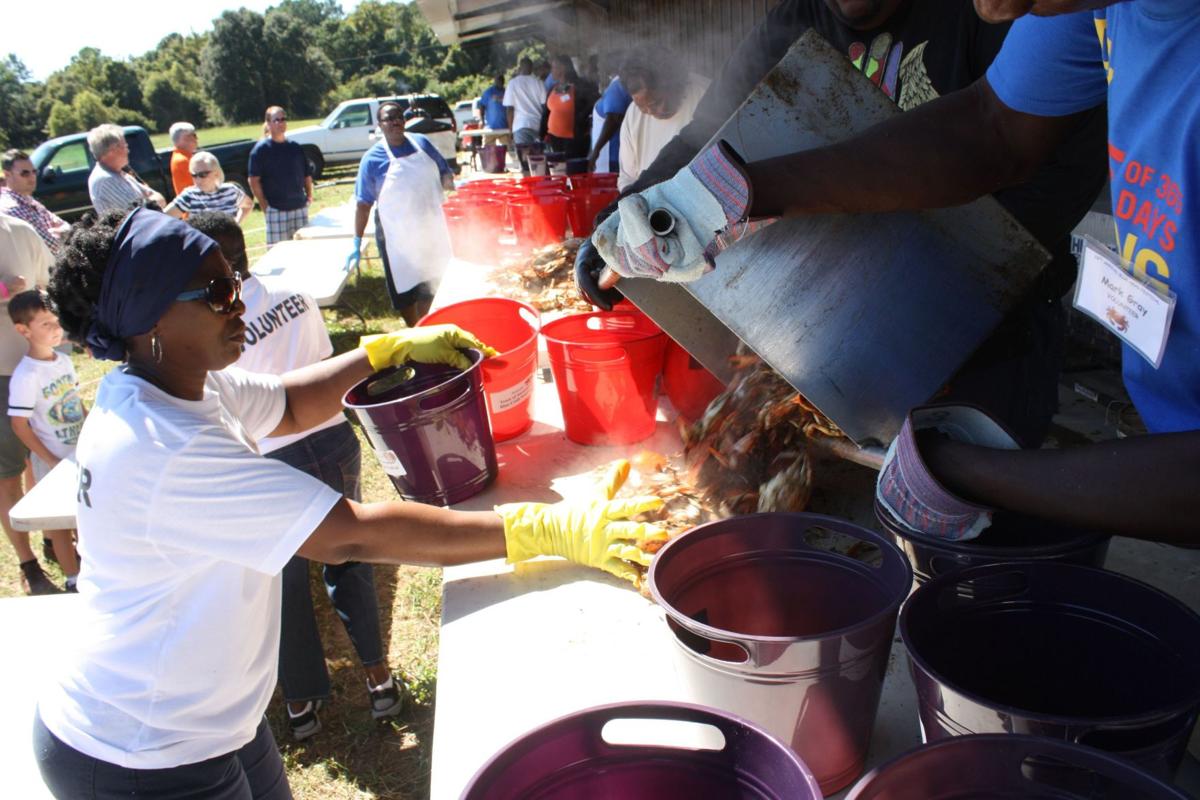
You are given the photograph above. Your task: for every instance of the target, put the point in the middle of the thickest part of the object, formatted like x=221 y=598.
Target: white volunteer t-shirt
x=47 y=392
x=643 y=137
x=527 y=95
x=183 y=531
x=284 y=330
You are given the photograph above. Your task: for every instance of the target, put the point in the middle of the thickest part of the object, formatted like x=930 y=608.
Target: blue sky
x=47 y=39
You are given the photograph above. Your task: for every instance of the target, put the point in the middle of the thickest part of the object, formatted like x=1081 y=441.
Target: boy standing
x=44 y=404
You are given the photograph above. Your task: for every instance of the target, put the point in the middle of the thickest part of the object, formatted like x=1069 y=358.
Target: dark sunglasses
x=278 y=119
x=203 y=174
x=221 y=294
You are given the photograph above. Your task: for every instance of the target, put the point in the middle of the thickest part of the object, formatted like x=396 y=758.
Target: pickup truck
x=348 y=131
x=63 y=165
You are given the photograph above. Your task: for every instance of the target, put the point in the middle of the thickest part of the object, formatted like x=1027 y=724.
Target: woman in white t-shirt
x=184 y=527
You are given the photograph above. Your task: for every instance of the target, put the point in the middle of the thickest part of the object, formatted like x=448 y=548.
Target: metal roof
x=477 y=21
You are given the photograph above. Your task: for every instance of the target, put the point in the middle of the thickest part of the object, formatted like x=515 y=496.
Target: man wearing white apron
x=403 y=177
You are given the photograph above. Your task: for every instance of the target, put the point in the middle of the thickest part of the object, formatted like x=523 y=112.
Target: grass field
x=227 y=133
x=353 y=757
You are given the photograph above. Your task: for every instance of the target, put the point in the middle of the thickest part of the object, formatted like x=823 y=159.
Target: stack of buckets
x=536 y=209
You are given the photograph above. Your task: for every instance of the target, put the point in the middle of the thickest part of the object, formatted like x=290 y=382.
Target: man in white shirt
x=524 y=98
x=664 y=99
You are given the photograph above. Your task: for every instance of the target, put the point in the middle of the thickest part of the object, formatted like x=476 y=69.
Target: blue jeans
x=332 y=456
x=252 y=772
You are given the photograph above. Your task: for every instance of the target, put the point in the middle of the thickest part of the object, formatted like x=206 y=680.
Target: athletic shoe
x=387 y=700
x=306 y=723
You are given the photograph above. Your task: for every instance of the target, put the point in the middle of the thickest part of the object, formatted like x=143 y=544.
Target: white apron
x=410 y=211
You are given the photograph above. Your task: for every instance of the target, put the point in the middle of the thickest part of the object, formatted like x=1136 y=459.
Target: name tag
x=1128 y=306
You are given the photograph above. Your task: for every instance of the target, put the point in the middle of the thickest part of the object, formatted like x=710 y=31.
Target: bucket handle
x=599 y=718
x=701 y=642
x=426 y=404
x=1024 y=756
x=1012 y=583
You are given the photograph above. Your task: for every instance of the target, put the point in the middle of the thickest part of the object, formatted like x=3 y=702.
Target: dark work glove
x=589 y=265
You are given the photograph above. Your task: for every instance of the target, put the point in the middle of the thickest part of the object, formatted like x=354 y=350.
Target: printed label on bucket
x=390 y=463
x=511 y=397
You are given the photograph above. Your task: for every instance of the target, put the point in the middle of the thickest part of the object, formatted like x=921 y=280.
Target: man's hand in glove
x=589 y=265
x=594 y=531
x=706 y=200
x=432 y=344
x=355 y=256
x=910 y=494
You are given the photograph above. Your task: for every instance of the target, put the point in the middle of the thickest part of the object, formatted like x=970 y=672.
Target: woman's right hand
x=430 y=344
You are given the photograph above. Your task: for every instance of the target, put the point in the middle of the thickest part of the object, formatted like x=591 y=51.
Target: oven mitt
x=913 y=497
x=706 y=198
x=430 y=344
x=593 y=531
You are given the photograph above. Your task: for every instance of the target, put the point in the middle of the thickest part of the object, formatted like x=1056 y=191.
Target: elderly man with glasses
x=112 y=184
x=16 y=199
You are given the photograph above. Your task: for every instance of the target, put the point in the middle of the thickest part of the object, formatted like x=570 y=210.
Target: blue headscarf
x=153 y=258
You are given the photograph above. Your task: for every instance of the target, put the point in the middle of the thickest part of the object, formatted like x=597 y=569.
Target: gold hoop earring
x=156 y=348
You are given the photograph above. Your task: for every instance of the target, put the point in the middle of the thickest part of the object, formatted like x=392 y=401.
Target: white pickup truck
x=346 y=133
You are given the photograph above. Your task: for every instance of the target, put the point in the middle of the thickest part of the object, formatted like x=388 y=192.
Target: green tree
x=297 y=74
x=174 y=95
x=62 y=119
x=231 y=66
x=21 y=122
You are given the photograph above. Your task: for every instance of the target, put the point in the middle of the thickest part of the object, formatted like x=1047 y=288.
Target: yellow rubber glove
x=432 y=344
x=595 y=531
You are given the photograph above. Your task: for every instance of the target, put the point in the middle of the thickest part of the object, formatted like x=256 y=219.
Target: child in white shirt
x=44 y=405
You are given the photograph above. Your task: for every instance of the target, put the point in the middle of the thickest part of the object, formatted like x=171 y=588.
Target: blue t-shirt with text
x=492 y=103
x=1144 y=56
x=374 y=165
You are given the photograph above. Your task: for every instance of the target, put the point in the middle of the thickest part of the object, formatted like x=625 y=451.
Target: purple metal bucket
x=775 y=622
x=1056 y=650
x=430 y=431
x=1010 y=538
x=572 y=758
x=1008 y=765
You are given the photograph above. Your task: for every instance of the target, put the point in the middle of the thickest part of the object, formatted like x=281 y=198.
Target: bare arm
x=944 y=153
x=1090 y=487
x=245 y=206
x=24 y=432
x=612 y=124
x=173 y=210
x=308 y=188
x=362 y=213
x=511 y=113
x=405 y=533
x=256 y=190
x=314 y=393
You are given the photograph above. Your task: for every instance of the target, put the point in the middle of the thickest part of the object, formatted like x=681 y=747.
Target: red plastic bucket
x=539 y=220
x=606 y=366
x=428 y=425
x=508 y=380
x=706 y=754
x=787 y=620
x=598 y=199
x=458 y=224
x=1010 y=765
x=688 y=385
